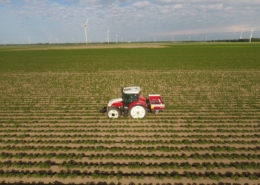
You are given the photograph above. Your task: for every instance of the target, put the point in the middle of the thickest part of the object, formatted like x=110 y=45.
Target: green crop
x=51 y=129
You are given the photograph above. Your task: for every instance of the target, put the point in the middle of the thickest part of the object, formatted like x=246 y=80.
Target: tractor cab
x=130 y=94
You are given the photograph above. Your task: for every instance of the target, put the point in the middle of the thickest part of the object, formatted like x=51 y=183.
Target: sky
x=62 y=21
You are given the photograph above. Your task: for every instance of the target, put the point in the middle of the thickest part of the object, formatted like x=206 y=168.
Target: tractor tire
x=138 y=112
x=113 y=113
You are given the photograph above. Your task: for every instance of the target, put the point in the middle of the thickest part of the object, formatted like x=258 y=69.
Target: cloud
x=127 y=18
x=211 y=7
x=212 y=30
x=5 y=1
x=142 y=4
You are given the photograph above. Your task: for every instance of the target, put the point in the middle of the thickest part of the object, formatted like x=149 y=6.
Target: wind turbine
x=108 y=36
x=207 y=38
x=241 y=35
x=50 y=39
x=86 y=31
x=251 y=35
x=29 y=40
x=116 y=38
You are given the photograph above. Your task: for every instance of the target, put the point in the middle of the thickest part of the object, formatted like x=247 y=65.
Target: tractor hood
x=114 y=101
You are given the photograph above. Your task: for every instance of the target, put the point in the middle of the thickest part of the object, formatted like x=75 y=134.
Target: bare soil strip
x=92 y=46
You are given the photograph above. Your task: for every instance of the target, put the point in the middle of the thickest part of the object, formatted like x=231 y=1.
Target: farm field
x=51 y=130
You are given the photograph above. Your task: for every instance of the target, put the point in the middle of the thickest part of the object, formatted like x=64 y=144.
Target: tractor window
x=129 y=98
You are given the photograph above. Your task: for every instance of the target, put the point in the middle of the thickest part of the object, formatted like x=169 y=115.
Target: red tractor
x=133 y=104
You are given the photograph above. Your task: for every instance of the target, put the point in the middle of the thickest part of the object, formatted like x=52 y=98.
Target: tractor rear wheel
x=138 y=111
x=113 y=112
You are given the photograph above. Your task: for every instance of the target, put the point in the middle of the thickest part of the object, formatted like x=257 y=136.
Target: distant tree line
x=237 y=40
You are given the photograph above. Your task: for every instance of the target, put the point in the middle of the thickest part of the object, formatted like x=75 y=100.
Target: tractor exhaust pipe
x=103 y=110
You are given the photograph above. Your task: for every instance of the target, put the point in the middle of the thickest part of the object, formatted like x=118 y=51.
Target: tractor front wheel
x=113 y=113
x=138 y=112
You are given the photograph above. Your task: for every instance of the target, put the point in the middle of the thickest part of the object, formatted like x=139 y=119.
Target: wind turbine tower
x=241 y=35
x=108 y=36
x=29 y=40
x=49 y=39
x=116 y=38
x=251 y=35
x=86 y=31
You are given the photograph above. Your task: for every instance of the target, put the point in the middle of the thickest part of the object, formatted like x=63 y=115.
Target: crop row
x=163 y=166
x=123 y=149
x=120 y=175
x=59 y=123
x=196 y=156
x=50 y=104
x=136 y=142
x=103 y=120
x=91 y=106
x=77 y=100
x=134 y=130
x=111 y=126
x=17 y=108
x=112 y=136
x=219 y=126
x=132 y=165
